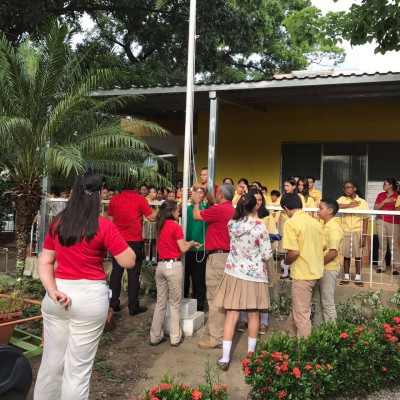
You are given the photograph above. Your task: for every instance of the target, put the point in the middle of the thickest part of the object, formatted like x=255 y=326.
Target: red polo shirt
x=128 y=209
x=85 y=260
x=167 y=244
x=217 y=217
x=388 y=207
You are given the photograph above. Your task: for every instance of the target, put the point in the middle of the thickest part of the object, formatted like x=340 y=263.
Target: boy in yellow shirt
x=303 y=239
x=324 y=291
x=314 y=193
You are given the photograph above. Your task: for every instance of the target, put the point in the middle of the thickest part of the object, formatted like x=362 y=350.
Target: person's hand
x=198 y=245
x=355 y=203
x=325 y=247
x=196 y=196
x=389 y=200
x=363 y=241
x=59 y=297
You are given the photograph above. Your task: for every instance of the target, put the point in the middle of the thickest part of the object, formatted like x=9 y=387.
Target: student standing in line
x=306 y=199
x=355 y=230
x=290 y=186
x=169 y=273
x=388 y=226
x=244 y=284
x=149 y=234
x=324 y=291
x=275 y=202
x=266 y=218
x=314 y=193
x=241 y=189
x=303 y=240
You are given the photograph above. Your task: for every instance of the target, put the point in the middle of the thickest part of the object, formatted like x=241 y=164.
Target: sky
x=361 y=58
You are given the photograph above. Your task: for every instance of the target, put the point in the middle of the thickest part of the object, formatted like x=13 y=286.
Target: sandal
x=359 y=283
x=344 y=282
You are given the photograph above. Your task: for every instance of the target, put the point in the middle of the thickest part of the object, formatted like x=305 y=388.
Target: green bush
x=339 y=358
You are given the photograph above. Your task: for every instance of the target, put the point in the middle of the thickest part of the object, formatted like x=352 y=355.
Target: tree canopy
x=236 y=40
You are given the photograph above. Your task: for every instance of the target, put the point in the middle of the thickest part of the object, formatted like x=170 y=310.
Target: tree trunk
x=27 y=204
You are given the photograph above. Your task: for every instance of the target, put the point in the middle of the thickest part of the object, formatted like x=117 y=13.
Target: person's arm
x=185 y=246
x=197 y=199
x=291 y=257
x=265 y=245
x=351 y=205
x=378 y=206
x=126 y=259
x=210 y=198
x=152 y=217
x=46 y=274
x=330 y=255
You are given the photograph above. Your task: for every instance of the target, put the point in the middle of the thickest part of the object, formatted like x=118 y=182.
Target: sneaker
x=243 y=325
x=209 y=344
x=395 y=272
x=224 y=366
x=263 y=329
x=380 y=270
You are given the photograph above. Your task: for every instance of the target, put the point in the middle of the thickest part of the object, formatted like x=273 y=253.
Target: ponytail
x=244 y=206
x=165 y=212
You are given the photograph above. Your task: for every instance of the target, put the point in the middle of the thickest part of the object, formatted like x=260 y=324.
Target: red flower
x=314 y=373
x=196 y=394
x=185 y=386
x=394 y=339
x=282 y=394
x=258 y=369
x=247 y=371
x=154 y=398
x=384 y=369
x=286 y=356
x=366 y=343
x=265 y=389
x=296 y=372
x=344 y=335
x=285 y=366
x=318 y=366
x=397 y=320
x=329 y=366
x=308 y=367
x=258 y=361
x=246 y=362
x=165 y=386
x=153 y=390
x=250 y=353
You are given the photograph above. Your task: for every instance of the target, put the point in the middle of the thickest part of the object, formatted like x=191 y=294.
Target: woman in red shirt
x=169 y=273
x=76 y=304
x=388 y=226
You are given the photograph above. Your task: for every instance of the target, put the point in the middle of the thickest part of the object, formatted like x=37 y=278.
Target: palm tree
x=49 y=123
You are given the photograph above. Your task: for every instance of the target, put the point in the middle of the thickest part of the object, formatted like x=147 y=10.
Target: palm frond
x=64 y=159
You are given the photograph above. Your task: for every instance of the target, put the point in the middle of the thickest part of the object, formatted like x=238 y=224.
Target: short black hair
x=54 y=190
x=257 y=182
x=291 y=201
x=333 y=204
x=204 y=168
x=311 y=177
x=223 y=180
x=264 y=188
x=276 y=193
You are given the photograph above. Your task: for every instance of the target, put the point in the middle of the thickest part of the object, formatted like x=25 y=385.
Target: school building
x=333 y=125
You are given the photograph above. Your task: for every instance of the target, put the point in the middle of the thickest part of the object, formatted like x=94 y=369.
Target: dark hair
x=311 y=177
x=333 y=204
x=293 y=182
x=244 y=180
x=276 y=193
x=245 y=205
x=264 y=188
x=262 y=212
x=291 y=201
x=111 y=190
x=54 y=190
x=305 y=191
x=152 y=187
x=358 y=191
x=223 y=181
x=256 y=182
x=143 y=185
x=80 y=219
x=165 y=212
x=393 y=182
x=204 y=168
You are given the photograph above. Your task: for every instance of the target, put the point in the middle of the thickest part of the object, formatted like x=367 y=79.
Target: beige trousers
x=169 y=287
x=388 y=232
x=71 y=337
x=298 y=322
x=324 y=298
x=216 y=315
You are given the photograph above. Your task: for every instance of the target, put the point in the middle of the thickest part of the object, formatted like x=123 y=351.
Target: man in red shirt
x=217 y=245
x=126 y=210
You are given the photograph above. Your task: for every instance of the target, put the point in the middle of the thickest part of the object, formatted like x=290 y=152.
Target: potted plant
x=11 y=309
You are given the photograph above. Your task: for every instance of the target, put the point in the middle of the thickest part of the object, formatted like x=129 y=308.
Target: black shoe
x=140 y=310
x=396 y=272
x=179 y=343
x=380 y=271
x=164 y=339
x=116 y=308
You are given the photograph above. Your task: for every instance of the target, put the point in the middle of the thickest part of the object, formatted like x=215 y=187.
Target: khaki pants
x=71 y=337
x=388 y=231
x=216 y=315
x=298 y=322
x=169 y=287
x=324 y=298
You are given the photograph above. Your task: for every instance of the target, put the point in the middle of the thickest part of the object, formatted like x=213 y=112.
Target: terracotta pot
x=7 y=331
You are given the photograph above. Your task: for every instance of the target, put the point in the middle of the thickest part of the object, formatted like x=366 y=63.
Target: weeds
x=105 y=369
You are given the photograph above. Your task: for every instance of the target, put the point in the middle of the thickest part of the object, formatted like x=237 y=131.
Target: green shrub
x=339 y=358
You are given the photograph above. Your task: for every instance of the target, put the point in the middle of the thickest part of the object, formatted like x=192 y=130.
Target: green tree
x=237 y=40
x=50 y=123
x=367 y=22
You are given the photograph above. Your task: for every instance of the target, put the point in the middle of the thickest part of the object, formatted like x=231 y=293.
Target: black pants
x=133 y=279
x=197 y=271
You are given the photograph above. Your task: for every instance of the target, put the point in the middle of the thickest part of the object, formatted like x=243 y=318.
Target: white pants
x=71 y=338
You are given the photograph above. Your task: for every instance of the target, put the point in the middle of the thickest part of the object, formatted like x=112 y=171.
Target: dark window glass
x=383 y=161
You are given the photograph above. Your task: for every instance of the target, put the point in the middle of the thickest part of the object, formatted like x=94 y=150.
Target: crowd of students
x=230 y=241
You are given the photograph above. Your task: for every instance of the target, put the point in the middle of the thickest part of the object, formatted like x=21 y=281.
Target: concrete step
x=189 y=325
x=188 y=307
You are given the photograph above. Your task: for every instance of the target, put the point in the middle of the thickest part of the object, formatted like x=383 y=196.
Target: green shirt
x=195 y=230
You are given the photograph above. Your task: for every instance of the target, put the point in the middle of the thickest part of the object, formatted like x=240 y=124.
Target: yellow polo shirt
x=353 y=222
x=316 y=195
x=268 y=201
x=236 y=197
x=333 y=235
x=310 y=203
x=304 y=234
x=269 y=223
x=283 y=214
x=397 y=202
x=275 y=214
